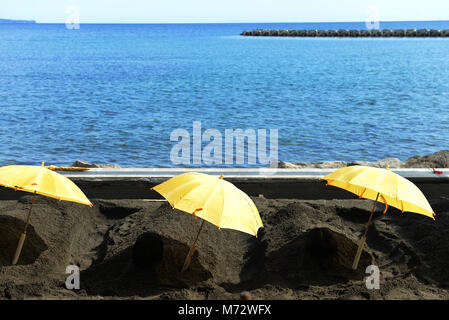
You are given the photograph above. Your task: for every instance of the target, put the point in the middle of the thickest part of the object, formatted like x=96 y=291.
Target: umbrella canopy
x=379 y=185
x=393 y=190
x=212 y=199
x=40 y=180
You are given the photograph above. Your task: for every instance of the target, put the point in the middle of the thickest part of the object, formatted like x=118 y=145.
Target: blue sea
x=115 y=93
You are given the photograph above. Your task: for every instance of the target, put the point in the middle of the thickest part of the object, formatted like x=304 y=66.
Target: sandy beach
x=305 y=251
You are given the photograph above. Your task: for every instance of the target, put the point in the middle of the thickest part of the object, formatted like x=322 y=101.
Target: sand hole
x=148 y=249
x=319 y=256
x=120 y=275
x=114 y=211
x=10 y=230
x=331 y=249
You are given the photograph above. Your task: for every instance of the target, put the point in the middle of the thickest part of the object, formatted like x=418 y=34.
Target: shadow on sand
x=10 y=230
x=319 y=257
x=119 y=275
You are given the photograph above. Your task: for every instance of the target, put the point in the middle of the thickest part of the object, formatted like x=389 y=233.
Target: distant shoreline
x=214 y=22
x=9 y=21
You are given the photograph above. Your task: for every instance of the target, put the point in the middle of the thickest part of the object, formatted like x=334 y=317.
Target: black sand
x=305 y=251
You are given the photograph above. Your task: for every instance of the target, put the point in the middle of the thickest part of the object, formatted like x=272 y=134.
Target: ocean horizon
x=427 y=23
x=114 y=93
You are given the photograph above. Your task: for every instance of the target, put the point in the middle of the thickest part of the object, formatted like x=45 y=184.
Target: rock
x=245 y=295
x=391 y=162
x=359 y=163
x=422 y=33
x=148 y=249
x=318 y=165
x=8 y=295
x=399 y=33
x=439 y=159
x=410 y=32
x=329 y=164
x=364 y=33
x=85 y=164
x=435 y=33
x=387 y=33
x=376 y=33
x=322 y=33
x=312 y=33
x=343 y=33
x=287 y=165
x=354 y=33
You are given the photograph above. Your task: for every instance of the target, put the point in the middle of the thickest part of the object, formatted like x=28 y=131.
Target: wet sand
x=305 y=251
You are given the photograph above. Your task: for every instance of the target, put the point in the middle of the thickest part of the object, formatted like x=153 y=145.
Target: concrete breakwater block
x=385 y=33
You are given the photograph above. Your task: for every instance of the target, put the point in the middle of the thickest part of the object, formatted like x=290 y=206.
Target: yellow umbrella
x=380 y=184
x=213 y=199
x=39 y=180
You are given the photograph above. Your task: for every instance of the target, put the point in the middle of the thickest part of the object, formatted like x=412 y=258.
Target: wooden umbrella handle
x=19 y=248
x=192 y=250
x=359 y=253
x=23 y=235
x=362 y=242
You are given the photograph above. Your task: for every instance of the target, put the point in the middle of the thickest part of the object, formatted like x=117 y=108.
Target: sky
x=210 y=11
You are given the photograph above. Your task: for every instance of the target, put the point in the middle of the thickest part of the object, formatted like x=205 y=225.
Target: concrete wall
x=289 y=188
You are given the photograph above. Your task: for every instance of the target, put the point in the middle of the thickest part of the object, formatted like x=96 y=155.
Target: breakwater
x=348 y=33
